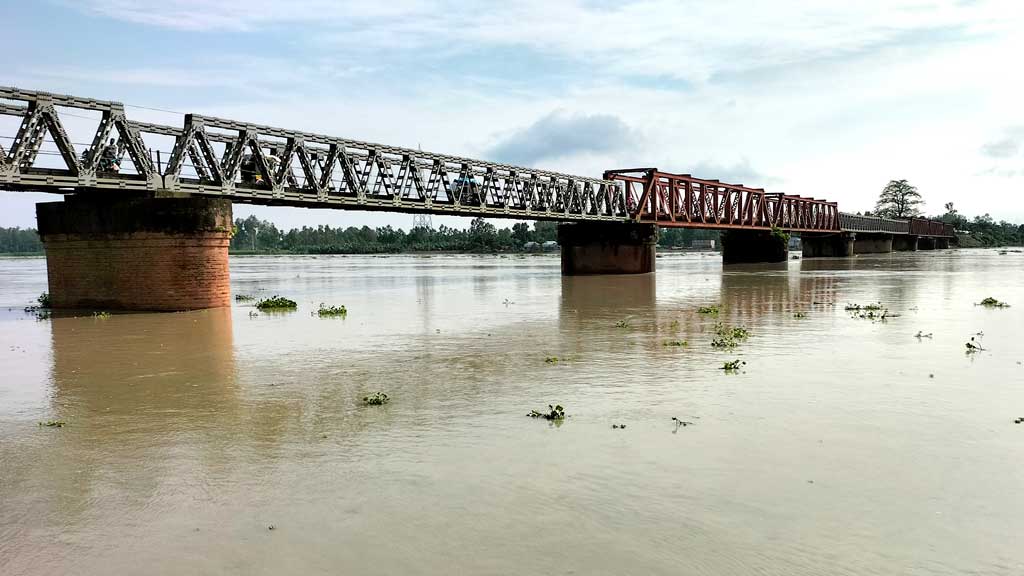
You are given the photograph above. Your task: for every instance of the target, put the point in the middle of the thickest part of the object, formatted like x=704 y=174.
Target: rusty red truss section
x=680 y=200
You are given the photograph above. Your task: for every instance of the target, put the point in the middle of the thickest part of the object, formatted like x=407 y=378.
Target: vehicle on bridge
x=466 y=190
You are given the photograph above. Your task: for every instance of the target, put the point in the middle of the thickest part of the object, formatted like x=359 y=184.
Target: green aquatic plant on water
x=622 y=324
x=675 y=343
x=800 y=314
x=53 y=424
x=734 y=332
x=729 y=336
x=973 y=346
x=244 y=297
x=44 y=300
x=865 y=308
x=712 y=310
x=733 y=365
x=551 y=360
x=553 y=413
x=719 y=342
x=101 y=315
x=325 y=311
x=276 y=303
x=871 y=312
x=376 y=399
x=991 y=302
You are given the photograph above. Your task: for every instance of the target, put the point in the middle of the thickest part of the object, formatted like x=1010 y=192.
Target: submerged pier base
x=867 y=243
x=144 y=254
x=607 y=248
x=904 y=243
x=750 y=246
x=828 y=245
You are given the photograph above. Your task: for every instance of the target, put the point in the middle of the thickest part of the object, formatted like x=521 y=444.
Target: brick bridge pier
x=144 y=254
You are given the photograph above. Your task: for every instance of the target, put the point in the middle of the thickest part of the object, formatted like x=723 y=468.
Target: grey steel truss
x=257 y=164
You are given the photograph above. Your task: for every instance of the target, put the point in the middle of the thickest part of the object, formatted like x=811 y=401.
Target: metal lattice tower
x=422 y=221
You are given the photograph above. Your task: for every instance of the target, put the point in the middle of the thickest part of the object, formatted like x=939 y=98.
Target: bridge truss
x=680 y=200
x=209 y=157
x=252 y=163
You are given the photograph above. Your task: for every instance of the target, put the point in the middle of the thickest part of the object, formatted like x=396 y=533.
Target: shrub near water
x=276 y=303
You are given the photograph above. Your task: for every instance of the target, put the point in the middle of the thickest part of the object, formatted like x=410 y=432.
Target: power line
x=154 y=109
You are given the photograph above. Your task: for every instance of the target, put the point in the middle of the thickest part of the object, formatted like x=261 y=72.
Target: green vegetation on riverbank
x=255 y=236
x=20 y=241
x=983 y=231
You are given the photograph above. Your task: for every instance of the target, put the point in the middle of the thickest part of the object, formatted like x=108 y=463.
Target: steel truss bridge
x=252 y=163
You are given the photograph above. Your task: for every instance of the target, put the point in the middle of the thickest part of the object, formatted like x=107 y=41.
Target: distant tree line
x=255 y=235
x=983 y=230
x=20 y=241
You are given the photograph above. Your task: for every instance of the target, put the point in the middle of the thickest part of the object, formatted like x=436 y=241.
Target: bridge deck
x=253 y=163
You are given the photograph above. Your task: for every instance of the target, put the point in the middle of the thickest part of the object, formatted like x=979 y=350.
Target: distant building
x=531 y=246
x=550 y=246
x=702 y=244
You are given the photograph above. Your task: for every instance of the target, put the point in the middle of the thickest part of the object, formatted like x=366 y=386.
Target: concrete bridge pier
x=904 y=243
x=872 y=244
x=828 y=245
x=607 y=248
x=941 y=243
x=134 y=253
x=751 y=246
x=926 y=243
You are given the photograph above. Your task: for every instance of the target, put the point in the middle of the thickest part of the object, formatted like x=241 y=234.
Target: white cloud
x=689 y=40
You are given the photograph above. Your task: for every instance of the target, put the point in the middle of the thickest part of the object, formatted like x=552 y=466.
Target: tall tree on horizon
x=899 y=199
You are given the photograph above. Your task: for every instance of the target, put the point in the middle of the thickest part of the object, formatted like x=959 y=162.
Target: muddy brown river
x=236 y=442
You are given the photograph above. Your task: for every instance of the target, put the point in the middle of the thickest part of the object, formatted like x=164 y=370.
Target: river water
x=224 y=441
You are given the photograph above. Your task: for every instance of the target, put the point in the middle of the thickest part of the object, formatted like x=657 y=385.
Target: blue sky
x=831 y=100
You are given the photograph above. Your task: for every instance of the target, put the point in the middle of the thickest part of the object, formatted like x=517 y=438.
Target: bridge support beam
x=942 y=243
x=926 y=243
x=904 y=243
x=750 y=246
x=607 y=248
x=872 y=244
x=828 y=245
x=144 y=254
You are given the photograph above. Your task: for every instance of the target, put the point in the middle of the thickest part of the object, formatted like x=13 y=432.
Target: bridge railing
x=926 y=227
x=680 y=200
x=859 y=223
x=913 y=226
x=261 y=164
